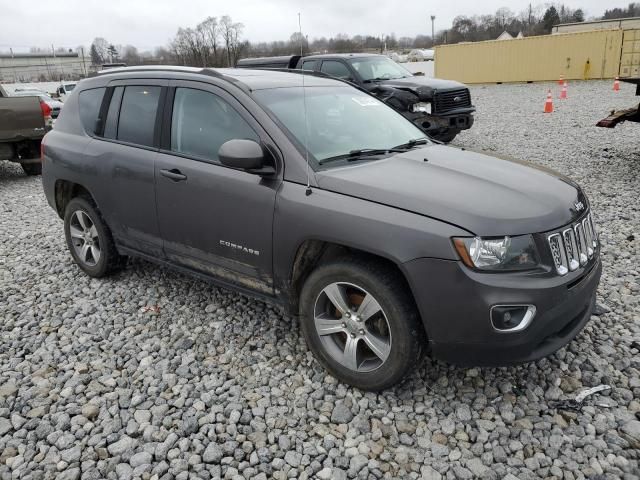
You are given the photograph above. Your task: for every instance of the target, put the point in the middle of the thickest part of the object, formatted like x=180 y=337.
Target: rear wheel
x=361 y=323
x=89 y=239
x=32 y=168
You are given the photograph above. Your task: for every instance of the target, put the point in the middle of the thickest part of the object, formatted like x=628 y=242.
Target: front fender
x=381 y=230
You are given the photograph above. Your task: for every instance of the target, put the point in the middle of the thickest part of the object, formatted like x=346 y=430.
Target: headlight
x=423 y=107
x=505 y=253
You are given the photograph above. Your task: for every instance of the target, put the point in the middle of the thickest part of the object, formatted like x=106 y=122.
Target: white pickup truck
x=65 y=89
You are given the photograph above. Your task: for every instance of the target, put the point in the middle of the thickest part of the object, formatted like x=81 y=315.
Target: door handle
x=173 y=174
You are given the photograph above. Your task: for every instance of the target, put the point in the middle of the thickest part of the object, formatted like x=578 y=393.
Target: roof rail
x=151 y=68
x=211 y=72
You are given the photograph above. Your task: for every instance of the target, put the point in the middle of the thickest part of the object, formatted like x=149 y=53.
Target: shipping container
x=575 y=56
x=630 y=59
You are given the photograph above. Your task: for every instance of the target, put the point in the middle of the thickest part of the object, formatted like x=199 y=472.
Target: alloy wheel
x=352 y=327
x=84 y=238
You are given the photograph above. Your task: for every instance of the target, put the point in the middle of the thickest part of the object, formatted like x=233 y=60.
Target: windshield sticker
x=366 y=101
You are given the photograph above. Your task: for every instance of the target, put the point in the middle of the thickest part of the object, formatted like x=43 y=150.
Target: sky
x=150 y=23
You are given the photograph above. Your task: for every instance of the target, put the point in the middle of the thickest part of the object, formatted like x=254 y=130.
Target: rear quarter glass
x=89 y=103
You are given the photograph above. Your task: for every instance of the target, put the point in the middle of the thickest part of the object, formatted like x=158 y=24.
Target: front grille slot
x=574 y=246
x=452 y=99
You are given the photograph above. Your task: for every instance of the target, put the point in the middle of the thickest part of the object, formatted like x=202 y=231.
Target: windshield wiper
x=412 y=143
x=363 y=152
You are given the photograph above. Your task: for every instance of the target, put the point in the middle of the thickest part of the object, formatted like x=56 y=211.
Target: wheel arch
x=314 y=252
x=65 y=191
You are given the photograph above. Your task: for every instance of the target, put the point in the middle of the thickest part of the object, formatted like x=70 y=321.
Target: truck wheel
x=32 y=168
x=89 y=239
x=447 y=136
x=361 y=323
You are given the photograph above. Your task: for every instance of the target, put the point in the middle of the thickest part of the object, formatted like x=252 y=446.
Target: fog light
x=511 y=318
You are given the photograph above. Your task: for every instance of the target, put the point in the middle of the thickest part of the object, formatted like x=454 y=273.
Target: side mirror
x=418 y=74
x=242 y=154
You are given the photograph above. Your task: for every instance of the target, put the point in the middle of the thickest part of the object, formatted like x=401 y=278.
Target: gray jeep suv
x=325 y=200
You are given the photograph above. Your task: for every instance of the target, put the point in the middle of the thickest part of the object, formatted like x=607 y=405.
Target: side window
x=111 y=124
x=336 y=69
x=309 y=64
x=89 y=103
x=137 y=120
x=201 y=122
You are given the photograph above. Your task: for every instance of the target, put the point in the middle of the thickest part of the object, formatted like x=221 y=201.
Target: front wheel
x=446 y=137
x=361 y=323
x=32 y=168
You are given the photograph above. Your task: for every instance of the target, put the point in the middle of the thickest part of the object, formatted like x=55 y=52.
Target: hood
x=422 y=86
x=485 y=195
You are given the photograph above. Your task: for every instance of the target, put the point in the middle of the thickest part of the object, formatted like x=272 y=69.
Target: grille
x=574 y=246
x=452 y=99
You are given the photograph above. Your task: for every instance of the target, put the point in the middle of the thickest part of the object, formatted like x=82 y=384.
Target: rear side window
x=137 y=120
x=336 y=69
x=201 y=122
x=89 y=103
x=309 y=65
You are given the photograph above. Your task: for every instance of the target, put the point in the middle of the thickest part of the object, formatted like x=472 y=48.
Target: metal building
x=32 y=67
x=623 y=23
x=582 y=55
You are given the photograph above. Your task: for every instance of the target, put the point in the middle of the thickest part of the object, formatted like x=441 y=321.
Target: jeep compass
x=311 y=193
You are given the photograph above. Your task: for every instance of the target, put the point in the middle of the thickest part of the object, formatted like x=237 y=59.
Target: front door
x=212 y=218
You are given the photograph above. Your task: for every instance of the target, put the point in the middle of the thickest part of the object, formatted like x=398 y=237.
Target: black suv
x=324 y=200
x=440 y=108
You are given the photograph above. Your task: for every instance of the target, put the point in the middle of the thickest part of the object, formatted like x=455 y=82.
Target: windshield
x=340 y=120
x=379 y=68
x=69 y=86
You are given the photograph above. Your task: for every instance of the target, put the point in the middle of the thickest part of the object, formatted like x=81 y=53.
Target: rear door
x=213 y=219
x=126 y=154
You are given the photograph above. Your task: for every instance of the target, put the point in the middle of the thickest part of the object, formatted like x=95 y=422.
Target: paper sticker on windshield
x=366 y=101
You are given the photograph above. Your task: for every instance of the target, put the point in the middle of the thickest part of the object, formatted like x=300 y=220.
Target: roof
x=39 y=55
x=593 y=22
x=249 y=78
x=344 y=55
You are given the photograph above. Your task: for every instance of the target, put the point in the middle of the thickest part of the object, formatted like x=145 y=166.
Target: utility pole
x=84 y=65
x=433 y=31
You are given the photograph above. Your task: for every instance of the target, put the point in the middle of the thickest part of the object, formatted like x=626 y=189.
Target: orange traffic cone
x=561 y=81
x=616 y=85
x=563 y=92
x=548 y=105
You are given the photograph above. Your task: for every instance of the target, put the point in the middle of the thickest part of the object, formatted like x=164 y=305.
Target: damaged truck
x=440 y=108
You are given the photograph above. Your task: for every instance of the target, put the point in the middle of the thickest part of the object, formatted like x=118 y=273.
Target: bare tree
x=211 y=38
x=231 y=36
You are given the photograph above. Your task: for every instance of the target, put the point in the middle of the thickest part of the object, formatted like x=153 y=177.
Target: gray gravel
x=217 y=385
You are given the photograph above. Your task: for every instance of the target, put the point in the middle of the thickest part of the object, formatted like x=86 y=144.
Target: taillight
x=46 y=109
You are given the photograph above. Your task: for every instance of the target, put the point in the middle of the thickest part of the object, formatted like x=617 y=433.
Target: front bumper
x=455 y=303
x=435 y=123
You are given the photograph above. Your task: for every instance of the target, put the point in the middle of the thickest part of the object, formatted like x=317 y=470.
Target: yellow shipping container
x=581 y=55
x=630 y=59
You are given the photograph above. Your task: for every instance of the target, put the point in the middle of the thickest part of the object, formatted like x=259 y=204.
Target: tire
x=32 y=168
x=344 y=343
x=446 y=137
x=89 y=239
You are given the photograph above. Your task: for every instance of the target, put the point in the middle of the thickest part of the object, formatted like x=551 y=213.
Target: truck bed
x=21 y=119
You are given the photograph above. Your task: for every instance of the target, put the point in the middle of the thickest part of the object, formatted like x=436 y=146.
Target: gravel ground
x=211 y=384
